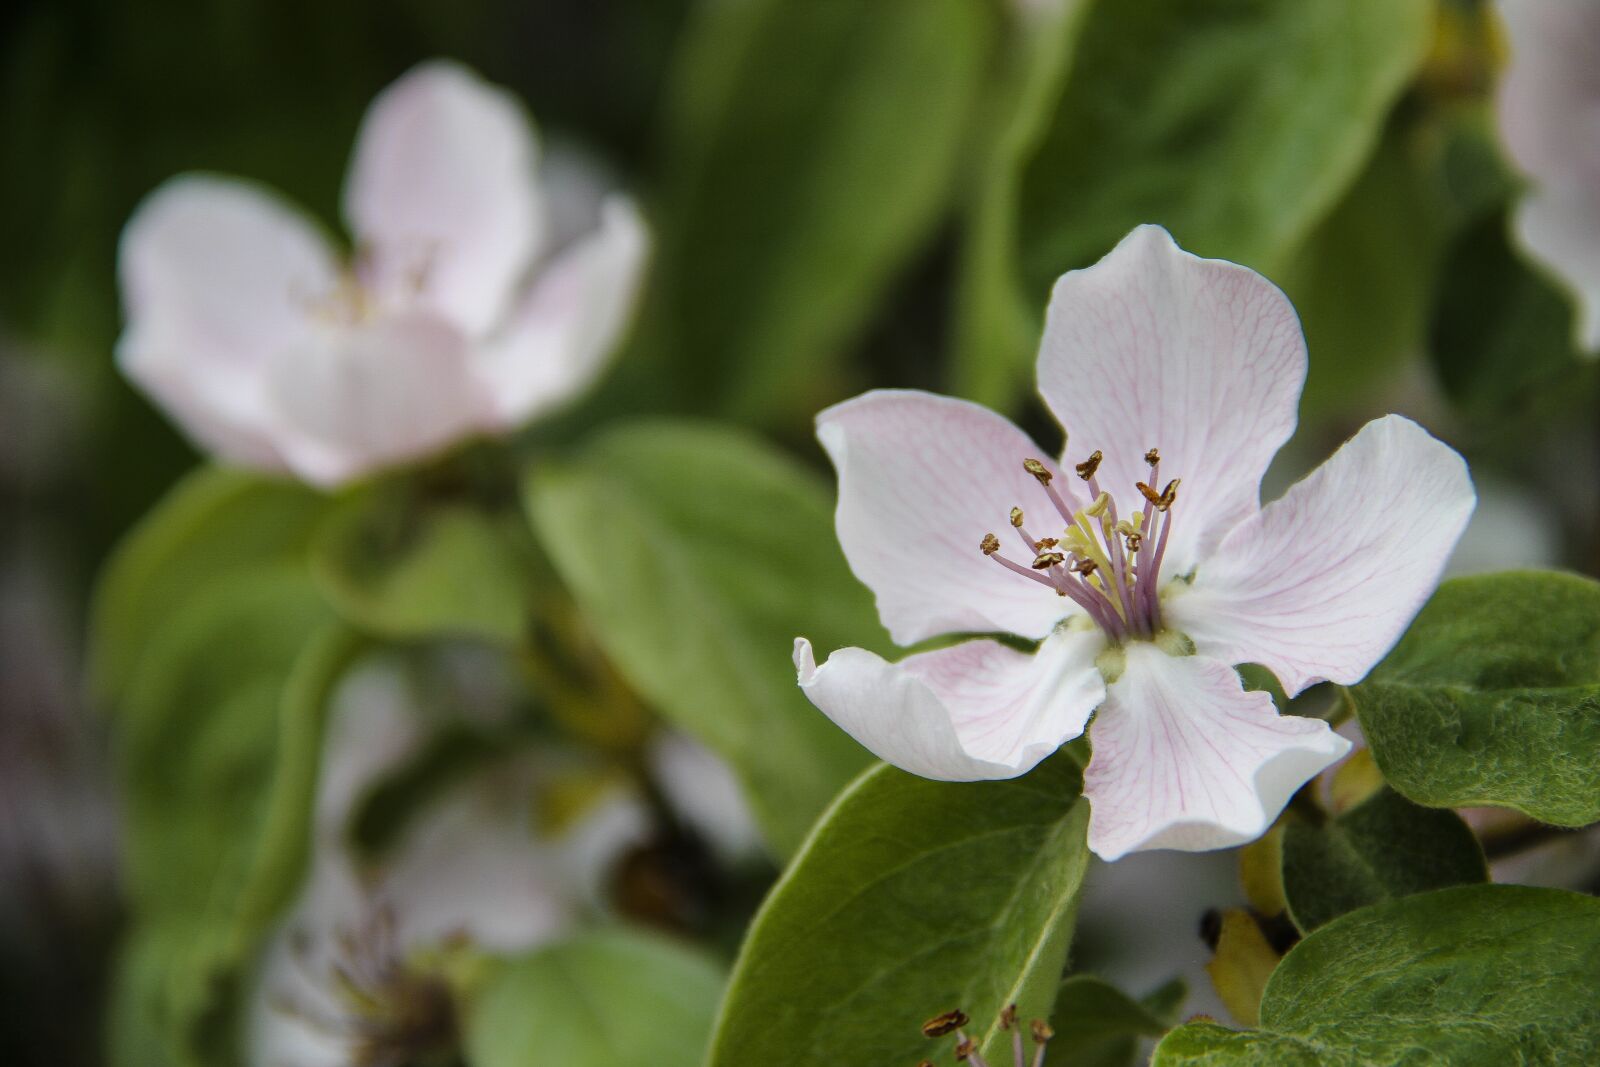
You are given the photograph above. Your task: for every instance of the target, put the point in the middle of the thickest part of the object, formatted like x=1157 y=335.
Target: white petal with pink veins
x=569 y=320
x=1202 y=359
x=977 y=710
x=1184 y=758
x=922 y=478
x=375 y=395
x=218 y=276
x=1320 y=584
x=442 y=195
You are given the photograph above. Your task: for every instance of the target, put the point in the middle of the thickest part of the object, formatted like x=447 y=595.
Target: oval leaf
x=1385 y=847
x=614 y=998
x=697 y=555
x=911 y=898
x=1476 y=975
x=1493 y=698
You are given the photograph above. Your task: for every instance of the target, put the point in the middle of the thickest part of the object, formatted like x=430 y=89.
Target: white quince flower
x=1143 y=593
x=362 y=970
x=452 y=318
x=1549 y=111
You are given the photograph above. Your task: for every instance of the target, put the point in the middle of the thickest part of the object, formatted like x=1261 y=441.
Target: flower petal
x=217 y=276
x=1549 y=110
x=376 y=395
x=922 y=478
x=977 y=710
x=442 y=190
x=569 y=320
x=1184 y=758
x=1202 y=359
x=1321 y=583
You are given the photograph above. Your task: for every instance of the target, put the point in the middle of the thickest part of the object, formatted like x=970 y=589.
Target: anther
x=1041 y=1031
x=1038 y=470
x=1087 y=468
x=1169 y=494
x=1152 y=457
x=1084 y=567
x=948 y=1023
x=1016 y=517
x=1045 y=560
x=990 y=544
x=1048 y=542
x=1008 y=1016
x=1134 y=540
x=965 y=1049
x=1148 y=493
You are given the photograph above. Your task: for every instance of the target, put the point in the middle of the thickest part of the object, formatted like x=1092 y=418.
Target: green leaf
x=1098 y=1025
x=1476 y=975
x=812 y=145
x=215 y=523
x=1493 y=697
x=1238 y=125
x=1383 y=848
x=403 y=565
x=698 y=555
x=614 y=998
x=911 y=898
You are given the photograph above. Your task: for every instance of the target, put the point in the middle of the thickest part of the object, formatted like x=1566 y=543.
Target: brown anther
x=1048 y=542
x=1045 y=560
x=1016 y=517
x=1041 y=1031
x=924 y=1063
x=990 y=544
x=1084 y=567
x=1038 y=470
x=1134 y=540
x=965 y=1049
x=1169 y=494
x=1087 y=468
x=947 y=1023
x=1008 y=1016
x=1153 y=457
x=1148 y=493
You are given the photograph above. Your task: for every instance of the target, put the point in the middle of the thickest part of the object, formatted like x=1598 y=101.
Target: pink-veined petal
x=442 y=194
x=1548 y=104
x=1202 y=359
x=1184 y=758
x=557 y=339
x=977 y=710
x=218 y=276
x=922 y=478
x=1322 y=582
x=375 y=395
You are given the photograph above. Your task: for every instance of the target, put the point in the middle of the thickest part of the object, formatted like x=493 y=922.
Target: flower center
x=1106 y=564
x=953 y=1022
x=374 y=282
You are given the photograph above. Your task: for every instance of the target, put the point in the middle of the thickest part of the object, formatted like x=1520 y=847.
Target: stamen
x=1085 y=567
x=1153 y=456
x=1041 y=1037
x=1046 y=542
x=990 y=544
x=1016 y=517
x=1170 y=493
x=1042 y=474
x=1045 y=560
x=1038 y=470
x=946 y=1023
x=1087 y=468
x=1008 y=1021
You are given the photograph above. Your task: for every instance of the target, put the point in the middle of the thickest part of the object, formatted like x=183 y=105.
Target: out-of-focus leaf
x=215 y=652
x=1237 y=125
x=1501 y=333
x=1243 y=962
x=1098 y=1025
x=215 y=524
x=614 y=998
x=1493 y=697
x=911 y=898
x=1476 y=975
x=811 y=145
x=697 y=555
x=401 y=564
x=1383 y=848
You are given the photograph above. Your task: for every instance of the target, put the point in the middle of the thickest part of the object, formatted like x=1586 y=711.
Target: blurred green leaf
x=911 y=898
x=216 y=653
x=215 y=524
x=811 y=146
x=1476 y=975
x=1383 y=848
x=697 y=555
x=613 y=998
x=403 y=564
x=1098 y=1025
x=1493 y=697
x=1238 y=125
x=1501 y=334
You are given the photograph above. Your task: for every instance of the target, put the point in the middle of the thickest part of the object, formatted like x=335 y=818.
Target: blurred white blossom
x=456 y=314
